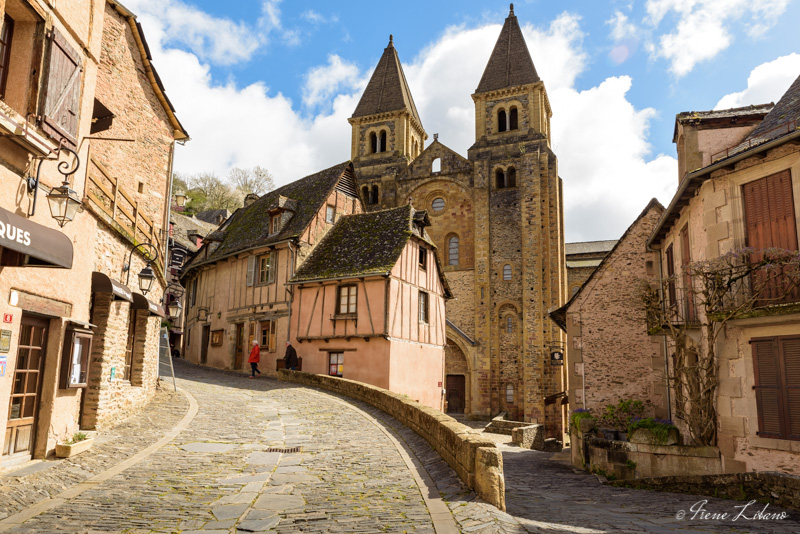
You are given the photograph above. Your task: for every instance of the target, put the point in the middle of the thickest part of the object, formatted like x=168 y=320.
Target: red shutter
x=62 y=97
x=790 y=354
x=770 y=222
x=766 y=366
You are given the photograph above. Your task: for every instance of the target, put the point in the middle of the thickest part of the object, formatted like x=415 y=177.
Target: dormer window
x=423 y=258
x=275 y=224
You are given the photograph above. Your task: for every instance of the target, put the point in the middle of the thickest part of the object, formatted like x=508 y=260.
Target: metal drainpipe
x=666 y=351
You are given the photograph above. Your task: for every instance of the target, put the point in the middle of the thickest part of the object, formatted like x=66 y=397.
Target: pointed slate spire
x=387 y=90
x=510 y=64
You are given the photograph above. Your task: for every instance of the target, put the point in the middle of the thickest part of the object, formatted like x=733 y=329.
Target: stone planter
x=586 y=424
x=64 y=450
x=646 y=436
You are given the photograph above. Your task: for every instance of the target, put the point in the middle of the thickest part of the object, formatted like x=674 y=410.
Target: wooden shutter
x=770 y=222
x=766 y=367
x=251 y=269
x=790 y=355
x=62 y=96
x=688 y=298
x=670 y=259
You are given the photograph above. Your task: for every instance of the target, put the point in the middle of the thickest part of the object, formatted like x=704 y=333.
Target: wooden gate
x=456 y=393
x=24 y=406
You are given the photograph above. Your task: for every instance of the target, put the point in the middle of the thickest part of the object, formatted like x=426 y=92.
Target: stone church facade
x=497 y=219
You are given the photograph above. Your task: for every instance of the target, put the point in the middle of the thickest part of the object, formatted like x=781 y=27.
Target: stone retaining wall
x=475 y=459
x=778 y=489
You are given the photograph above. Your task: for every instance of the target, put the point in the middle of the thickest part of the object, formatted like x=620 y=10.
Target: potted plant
x=80 y=442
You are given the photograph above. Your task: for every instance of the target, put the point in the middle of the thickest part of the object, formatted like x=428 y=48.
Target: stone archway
x=457 y=376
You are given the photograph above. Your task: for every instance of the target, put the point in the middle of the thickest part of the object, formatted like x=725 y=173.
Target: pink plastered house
x=369 y=305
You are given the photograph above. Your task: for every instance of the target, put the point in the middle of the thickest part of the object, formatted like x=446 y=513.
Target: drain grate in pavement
x=283 y=449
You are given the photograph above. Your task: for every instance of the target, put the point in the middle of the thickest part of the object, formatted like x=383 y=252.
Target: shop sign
x=5 y=341
x=7 y=318
x=556 y=357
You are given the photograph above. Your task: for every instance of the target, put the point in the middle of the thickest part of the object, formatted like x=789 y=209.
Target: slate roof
x=746 y=113
x=248 y=227
x=510 y=63
x=589 y=247
x=366 y=244
x=211 y=216
x=387 y=90
x=787 y=109
x=183 y=225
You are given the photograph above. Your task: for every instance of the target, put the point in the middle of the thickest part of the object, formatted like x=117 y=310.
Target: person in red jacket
x=255 y=357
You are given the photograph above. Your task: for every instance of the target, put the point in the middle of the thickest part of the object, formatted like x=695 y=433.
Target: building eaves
x=753 y=112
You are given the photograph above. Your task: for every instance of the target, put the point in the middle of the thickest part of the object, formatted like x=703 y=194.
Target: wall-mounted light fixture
x=64 y=201
x=146 y=275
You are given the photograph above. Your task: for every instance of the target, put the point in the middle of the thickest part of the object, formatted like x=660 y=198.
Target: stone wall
x=774 y=488
x=475 y=459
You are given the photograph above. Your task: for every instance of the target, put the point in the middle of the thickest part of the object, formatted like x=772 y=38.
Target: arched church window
x=506 y=272
x=512 y=119
x=510 y=393
x=365 y=194
x=373 y=198
x=511 y=177
x=436 y=166
x=500 y=178
x=382 y=148
x=501 y=120
x=452 y=250
x=373 y=142
x=509 y=324
x=437 y=204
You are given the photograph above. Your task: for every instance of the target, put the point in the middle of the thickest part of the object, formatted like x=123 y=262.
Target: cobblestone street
x=264 y=456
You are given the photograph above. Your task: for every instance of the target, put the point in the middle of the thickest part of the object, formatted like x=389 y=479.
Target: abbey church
x=496 y=219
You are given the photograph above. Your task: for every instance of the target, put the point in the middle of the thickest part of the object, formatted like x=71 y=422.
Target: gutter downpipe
x=290 y=290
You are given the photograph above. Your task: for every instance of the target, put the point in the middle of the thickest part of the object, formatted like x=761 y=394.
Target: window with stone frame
x=6 y=35
x=424 y=307
x=347 y=300
x=452 y=250
x=382 y=142
x=266 y=268
x=269 y=335
x=512 y=119
x=509 y=325
x=776 y=366
x=501 y=120
x=509 y=393
x=506 y=272
x=330 y=214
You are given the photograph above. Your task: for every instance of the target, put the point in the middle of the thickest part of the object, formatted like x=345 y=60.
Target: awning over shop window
x=28 y=244
x=142 y=303
x=101 y=283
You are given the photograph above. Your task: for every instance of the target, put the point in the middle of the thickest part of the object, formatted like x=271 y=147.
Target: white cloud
x=318 y=18
x=701 y=29
x=324 y=81
x=766 y=83
x=621 y=26
x=599 y=137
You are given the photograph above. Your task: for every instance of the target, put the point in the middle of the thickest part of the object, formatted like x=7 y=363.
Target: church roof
x=387 y=90
x=510 y=64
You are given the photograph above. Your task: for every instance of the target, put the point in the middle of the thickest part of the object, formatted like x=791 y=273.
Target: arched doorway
x=457 y=379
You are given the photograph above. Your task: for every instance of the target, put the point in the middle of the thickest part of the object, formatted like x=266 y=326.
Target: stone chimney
x=249 y=199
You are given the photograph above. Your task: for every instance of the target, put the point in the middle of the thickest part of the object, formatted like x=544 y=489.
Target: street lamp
x=64 y=201
x=175 y=309
x=180 y=200
x=146 y=275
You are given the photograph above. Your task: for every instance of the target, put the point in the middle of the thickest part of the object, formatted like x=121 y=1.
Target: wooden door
x=24 y=402
x=456 y=393
x=239 y=358
x=204 y=344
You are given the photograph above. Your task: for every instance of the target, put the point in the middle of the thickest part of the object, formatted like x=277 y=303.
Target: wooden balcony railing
x=122 y=208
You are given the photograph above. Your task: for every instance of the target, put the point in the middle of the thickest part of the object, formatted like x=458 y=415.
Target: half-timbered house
x=369 y=305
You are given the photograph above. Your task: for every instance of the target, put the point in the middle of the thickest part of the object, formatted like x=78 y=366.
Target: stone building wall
x=610 y=356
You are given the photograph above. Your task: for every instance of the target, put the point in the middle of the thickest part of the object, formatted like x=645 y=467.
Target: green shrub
x=659 y=427
x=619 y=416
x=76 y=437
x=577 y=415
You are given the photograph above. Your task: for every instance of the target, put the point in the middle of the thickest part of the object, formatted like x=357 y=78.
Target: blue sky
x=271 y=83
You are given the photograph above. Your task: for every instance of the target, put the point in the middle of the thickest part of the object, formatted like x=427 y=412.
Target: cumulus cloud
x=701 y=29
x=599 y=136
x=766 y=83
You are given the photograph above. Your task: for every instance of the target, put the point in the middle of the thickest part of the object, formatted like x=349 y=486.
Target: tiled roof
x=387 y=90
x=510 y=63
x=211 y=216
x=787 y=109
x=588 y=247
x=183 y=225
x=744 y=115
x=362 y=244
x=249 y=227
